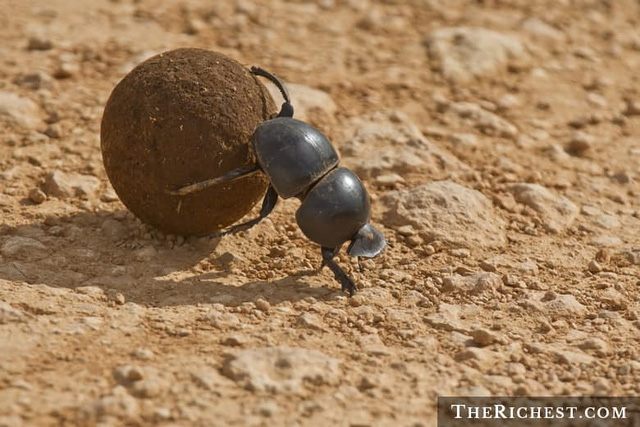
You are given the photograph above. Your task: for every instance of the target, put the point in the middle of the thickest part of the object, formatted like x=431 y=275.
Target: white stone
x=23 y=248
x=447 y=212
x=464 y=53
x=281 y=369
x=19 y=110
x=557 y=212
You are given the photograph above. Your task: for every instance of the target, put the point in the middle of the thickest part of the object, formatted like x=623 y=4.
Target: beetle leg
x=227 y=177
x=287 y=109
x=340 y=275
x=324 y=260
x=360 y=267
x=268 y=203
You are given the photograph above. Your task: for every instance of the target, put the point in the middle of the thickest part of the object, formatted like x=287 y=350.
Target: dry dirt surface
x=500 y=143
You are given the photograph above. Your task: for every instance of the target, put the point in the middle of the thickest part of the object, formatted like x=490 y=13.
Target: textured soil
x=500 y=143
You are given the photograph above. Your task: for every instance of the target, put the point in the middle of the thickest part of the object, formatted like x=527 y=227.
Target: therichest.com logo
x=538 y=411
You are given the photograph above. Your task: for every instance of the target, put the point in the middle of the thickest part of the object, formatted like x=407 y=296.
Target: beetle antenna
x=287 y=109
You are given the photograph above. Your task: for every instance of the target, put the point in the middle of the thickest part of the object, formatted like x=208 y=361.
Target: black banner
x=539 y=411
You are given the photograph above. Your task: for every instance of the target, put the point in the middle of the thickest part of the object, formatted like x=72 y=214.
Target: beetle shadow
x=208 y=288
x=114 y=252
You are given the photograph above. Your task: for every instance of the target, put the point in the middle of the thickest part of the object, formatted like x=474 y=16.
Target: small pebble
x=39 y=43
x=37 y=196
x=594 y=266
x=461 y=253
x=580 y=143
x=263 y=305
x=484 y=337
x=633 y=108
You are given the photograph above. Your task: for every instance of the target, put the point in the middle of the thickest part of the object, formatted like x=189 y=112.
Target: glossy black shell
x=335 y=209
x=293 y=154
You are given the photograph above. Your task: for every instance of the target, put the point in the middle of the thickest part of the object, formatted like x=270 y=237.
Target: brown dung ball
x=178 y=118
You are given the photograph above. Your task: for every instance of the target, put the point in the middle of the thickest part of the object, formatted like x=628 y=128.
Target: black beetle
x=301 y=162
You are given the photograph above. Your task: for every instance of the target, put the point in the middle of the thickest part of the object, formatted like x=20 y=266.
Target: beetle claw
x=348 y=285
x=345 y=281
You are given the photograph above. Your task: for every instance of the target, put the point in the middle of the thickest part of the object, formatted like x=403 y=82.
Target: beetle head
x=368 y=242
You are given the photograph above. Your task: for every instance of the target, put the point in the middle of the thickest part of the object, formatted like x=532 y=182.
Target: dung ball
x=178 y=118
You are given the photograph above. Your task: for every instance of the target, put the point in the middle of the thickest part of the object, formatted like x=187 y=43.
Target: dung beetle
x=300 y=162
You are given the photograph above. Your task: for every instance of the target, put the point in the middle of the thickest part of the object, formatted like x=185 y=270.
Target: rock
x=311 y=321
x=572 y=358
x=127 y=374
x=37 y=196
x=142 y=353
x=475 y=284
x=597 y=344
x=465 y=141
x=460 y=253
x=307 y=101
x=148 y=388
x=146 y=254
x=560 y=305
x=633 y=256
x=454 y=317
x=9 y=314
x=34 y=81
x=489 y=265
x=39 y=43
x=601 y=387
x=281 y=369
x=387 y=142
x=23 y=248
x=18 y=110
x=235 y=340
x=484 y=337
x=557 y=212
x=119 y=404
x=109 y=195
x=606 y=241
x=263 y=305
x=580 y=143
x=209 y=379
x=542 y=30
x=606 y=221
x=372 y=345
x=508 y=101
x=389 y=180
x=162 y=414
x=267 y=408
x=68 y=66
x=470 y=115
x=223 y=321
x=613 y=299
x=114 y=230
x=447 y=212
x=594 y=266
x=71 y=184
x=633 y=108
x=463 y=53
x=480 y=358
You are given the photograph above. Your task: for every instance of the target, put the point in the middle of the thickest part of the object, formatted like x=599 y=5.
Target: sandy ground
x=500 y=142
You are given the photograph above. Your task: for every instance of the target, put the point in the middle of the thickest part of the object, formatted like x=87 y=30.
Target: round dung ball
x=178 y=118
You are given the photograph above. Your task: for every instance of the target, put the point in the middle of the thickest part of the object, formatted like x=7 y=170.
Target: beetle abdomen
x=335 y=209
x=293 y=154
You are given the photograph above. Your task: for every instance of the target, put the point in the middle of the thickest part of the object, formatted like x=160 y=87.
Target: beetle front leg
x=345 y=281
x=268 y=203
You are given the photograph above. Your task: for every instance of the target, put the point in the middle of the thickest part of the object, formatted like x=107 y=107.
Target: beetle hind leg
x=342 y=277
x=227 y=177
